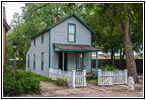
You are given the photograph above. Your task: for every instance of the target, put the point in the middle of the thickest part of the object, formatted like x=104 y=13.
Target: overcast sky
x=11 y=8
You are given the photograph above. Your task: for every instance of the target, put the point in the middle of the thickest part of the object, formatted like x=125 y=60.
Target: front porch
x=75 y=57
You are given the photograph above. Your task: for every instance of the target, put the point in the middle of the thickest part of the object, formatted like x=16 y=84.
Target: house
x=6 y=27
x=66 y=45
x=101 y=55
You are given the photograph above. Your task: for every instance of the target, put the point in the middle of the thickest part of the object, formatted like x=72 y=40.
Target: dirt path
x=51 y=90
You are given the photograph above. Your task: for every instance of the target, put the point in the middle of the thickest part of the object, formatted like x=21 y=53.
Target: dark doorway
x=61 y=61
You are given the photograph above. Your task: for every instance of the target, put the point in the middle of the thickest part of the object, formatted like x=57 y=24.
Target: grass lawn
x=39 y=77
x=92 y=81
x=91 y=78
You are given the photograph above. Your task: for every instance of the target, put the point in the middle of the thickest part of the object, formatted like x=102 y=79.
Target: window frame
x=42 y=38
x=34 y=42
x=34 y=56
x=70 y=33
x=42 y=61
x=77 y=59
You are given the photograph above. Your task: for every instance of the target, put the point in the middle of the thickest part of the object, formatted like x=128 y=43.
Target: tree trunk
x=122 y=53
x=130 y=62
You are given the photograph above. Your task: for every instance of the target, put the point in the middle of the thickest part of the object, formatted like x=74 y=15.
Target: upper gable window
x=42 y=38
x=71 y=32
x=34 y=42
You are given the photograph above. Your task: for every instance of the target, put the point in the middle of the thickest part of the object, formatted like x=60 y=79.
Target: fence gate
x=112 y=77
x=79 y=78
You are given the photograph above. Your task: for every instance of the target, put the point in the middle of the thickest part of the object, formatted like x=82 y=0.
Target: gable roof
x=72 y=15
x=6 y=25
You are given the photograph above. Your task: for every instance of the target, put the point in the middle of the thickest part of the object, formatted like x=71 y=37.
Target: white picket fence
x=74 y=78
x=112 y=77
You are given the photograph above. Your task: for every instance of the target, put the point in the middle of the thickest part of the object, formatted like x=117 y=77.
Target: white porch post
x=63 y=61
x=96 y=63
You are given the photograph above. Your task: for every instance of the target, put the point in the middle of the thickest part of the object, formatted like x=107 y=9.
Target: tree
x=125 y=13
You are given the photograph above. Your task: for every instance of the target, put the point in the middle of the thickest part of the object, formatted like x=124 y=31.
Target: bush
x=25 y=83
x=61 y=81
x=108 y=68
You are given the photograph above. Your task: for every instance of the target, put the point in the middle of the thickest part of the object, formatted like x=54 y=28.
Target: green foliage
x=108 y=68
x=29 y=73
x=92 y=81
x=91 y=78
x=62 y=79
x=42 y=78
x=25 y=83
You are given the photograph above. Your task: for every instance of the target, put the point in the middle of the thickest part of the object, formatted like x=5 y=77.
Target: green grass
x=39 y=77
x=91 y=78
x=92 y=81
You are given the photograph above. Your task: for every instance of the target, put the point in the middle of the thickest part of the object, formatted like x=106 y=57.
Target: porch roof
x=74 y=48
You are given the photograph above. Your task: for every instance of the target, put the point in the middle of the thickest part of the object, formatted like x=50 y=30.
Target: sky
x=11 y=8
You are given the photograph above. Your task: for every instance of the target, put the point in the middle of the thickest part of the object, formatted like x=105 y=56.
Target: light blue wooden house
x=66 y=45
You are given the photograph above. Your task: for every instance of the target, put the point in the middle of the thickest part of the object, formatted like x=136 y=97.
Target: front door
x=80 y=61
x=61 y=61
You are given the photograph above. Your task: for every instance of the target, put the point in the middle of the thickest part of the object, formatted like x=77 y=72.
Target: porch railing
x=74 y=78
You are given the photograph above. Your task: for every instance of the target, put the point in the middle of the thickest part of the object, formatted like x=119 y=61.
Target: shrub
x=61 y=81
x=25 y=83
x=108 y=68
x=8 y=85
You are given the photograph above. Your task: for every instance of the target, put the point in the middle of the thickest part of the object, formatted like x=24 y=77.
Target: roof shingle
x=75 y=47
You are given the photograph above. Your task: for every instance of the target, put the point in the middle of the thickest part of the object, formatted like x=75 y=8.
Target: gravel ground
x=51 y=90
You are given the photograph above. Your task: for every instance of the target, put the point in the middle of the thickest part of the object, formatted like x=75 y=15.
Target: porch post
x=96 y=63
x=63 y=61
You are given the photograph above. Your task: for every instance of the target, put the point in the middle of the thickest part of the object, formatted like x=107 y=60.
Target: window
x=34 y=42
x=71 y=32
x=28 y=61
x=34 y=61
x=42 y=39
x=80 y=60
x=42 y=61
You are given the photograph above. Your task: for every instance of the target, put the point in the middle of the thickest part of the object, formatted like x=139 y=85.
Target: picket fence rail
x=112 y=77
x=74 y=78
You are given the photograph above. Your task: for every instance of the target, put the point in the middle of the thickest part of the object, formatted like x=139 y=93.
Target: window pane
x=71 y=37
x=42 y=56
x=71 y=28
x=42 y=39
x=34 y=42
x=42 y=61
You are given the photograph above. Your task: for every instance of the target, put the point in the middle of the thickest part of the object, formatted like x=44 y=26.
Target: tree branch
x=38 y=9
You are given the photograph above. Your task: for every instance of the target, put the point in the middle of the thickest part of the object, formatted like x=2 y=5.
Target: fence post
x=112 y=76
x=73 y=78
x=99 y=77
x=84 y=75
x=125 y=70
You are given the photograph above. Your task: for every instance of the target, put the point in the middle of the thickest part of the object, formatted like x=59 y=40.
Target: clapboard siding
x=59 y=35
x=37 y=49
